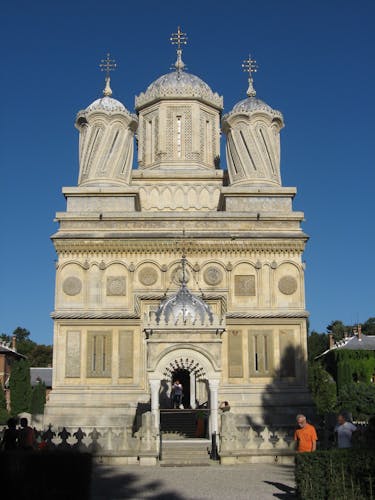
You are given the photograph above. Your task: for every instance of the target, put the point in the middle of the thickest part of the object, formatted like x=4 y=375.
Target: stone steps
x=185 y=453
x=179 y=422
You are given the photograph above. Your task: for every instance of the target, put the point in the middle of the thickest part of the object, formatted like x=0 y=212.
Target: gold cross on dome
x=250 y=66
x=107 y=65
x=178 y=38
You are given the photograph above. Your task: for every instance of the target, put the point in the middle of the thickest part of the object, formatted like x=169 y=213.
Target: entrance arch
x=200 y=365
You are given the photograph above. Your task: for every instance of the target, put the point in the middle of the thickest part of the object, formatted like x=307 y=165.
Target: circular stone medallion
x=212 y=275
x=72 y=285
x=287 y=285
x=148 y=276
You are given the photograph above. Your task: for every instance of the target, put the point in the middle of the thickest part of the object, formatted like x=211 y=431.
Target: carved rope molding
x=271 y=314
x=175 y=247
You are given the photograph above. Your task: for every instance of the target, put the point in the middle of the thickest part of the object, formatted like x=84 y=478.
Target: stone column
x=155 y=388
x=214 y=403
x=192 y=390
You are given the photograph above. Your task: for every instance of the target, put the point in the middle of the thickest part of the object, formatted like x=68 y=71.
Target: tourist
x=176 y=394
x=26 y=436
x=305 y=436
x=344 y=430
x=10 y=438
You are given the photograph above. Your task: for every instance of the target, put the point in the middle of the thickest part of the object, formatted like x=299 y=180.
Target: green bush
x=3 y=407
x=20 y=388
x=38 y=399
x=336 y=475
x=358 y=399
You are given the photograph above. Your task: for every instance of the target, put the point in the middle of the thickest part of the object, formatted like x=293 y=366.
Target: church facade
x=178 y=268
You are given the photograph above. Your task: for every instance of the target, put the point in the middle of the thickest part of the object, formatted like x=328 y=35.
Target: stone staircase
x=184 y=453
x=178 y=424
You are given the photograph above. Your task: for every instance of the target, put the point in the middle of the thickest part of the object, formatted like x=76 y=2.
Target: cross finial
x=250 y=66
x=179 y=38
x=107 y=65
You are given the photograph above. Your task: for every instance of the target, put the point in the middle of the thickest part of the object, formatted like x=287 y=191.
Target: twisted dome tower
x=106 y=142
x=252 y=128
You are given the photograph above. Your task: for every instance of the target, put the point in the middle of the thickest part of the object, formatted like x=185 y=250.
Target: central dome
x=184 y=306
x=179 y=85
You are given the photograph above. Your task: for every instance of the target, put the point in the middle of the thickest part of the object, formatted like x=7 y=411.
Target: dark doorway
x=184 y=377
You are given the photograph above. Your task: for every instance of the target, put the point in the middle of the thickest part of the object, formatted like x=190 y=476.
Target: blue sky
x=316 y=62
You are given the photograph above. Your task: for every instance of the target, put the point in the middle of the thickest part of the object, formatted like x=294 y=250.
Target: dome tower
x=106 y=141
x=179 y=120
x=253 y=141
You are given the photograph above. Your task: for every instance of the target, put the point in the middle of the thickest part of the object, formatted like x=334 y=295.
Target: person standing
x=176 y=394
x=305 y=435
x=344 y=430
x=26 y=436
x=10 y=439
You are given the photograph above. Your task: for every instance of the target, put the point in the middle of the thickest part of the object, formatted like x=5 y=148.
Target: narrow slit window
x=265 y=348
x=94 y=347
x=256 y=354
x=104 y=353
x=179 y=145
x=150 y=142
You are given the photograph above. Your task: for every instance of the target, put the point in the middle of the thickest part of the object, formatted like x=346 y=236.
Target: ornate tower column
x=106 y=138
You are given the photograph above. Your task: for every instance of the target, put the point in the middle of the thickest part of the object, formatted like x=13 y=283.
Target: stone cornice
x=267 y=314
x=70 y=246
x=93 y=315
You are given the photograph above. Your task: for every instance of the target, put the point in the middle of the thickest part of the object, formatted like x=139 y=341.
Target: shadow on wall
x=287 y=394
x=141 y=409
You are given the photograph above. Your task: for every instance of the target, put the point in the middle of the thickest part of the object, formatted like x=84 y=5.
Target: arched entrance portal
x=197 y=372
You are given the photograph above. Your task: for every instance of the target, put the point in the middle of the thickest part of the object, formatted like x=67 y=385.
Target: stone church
x=177 y=268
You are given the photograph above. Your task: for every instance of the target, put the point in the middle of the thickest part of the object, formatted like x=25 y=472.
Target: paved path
x=258 y=482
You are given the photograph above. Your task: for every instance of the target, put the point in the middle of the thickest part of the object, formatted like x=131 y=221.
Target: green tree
x=317 y=343
x=38 y=399
x=358 y=399
x=368 y=327
x=323 y=388
x=338 y=329
x=20 y=388
x=40 y=355
x=3 y=407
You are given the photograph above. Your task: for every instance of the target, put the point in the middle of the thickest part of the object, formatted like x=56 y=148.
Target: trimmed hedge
x=336 y=475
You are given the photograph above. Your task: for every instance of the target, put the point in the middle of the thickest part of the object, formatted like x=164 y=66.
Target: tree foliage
x=38 y=399
x=323 y=388
x=37 y=354
x=20 y=388
x=368 y=327
x=358 y=399
x=338 y=329
x=317 y=343
x=3 y=407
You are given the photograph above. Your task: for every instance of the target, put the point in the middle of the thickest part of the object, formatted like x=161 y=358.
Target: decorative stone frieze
x=288 y=285
x=213 y=275
x=72 y=285
x=116 y=285
x=244 y=285
x=148 y=276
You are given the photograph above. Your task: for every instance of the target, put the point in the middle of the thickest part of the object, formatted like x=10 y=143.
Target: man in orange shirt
x=305 y=435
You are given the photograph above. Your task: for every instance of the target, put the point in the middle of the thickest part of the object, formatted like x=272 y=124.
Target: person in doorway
x=10 y=438
x=305 y=435
x=26 y=436
x=176 y=394
x=344 y=430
